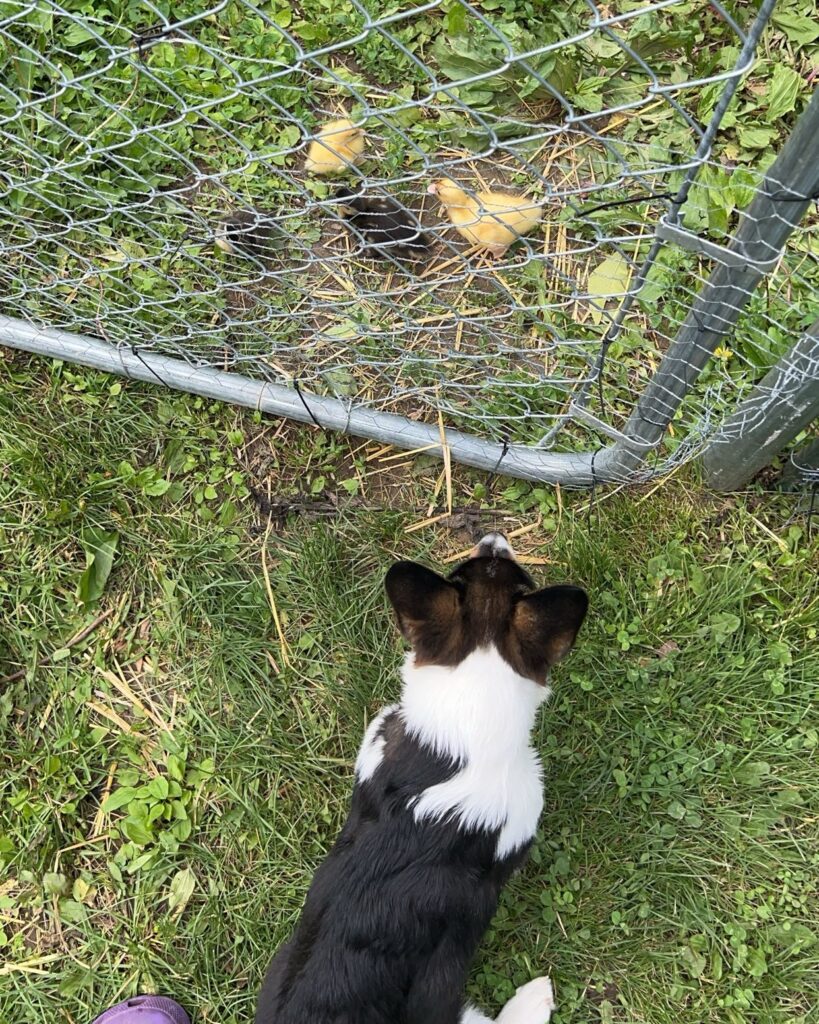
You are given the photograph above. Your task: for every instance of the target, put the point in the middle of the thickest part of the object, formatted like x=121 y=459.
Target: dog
x=445 y=805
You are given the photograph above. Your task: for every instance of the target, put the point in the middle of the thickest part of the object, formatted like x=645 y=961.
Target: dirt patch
x=607 y=994
x=346 y=475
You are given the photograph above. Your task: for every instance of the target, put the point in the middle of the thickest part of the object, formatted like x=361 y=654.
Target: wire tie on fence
x=297 y=389
x=593 y=495
x=186 y=237
x=698 y=320
x=605 y=345
x=661 y=425
x=701 y=327
x=503 y=454
x=643 y=197
x=147 y=366
x=152 y=34
x=788 y=197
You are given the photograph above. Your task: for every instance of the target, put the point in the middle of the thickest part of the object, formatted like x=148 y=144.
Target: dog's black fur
x=395 y=913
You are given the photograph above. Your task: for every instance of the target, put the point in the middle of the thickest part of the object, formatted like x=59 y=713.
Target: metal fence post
x=784 y=402
x=802 y=470
x=790 y=185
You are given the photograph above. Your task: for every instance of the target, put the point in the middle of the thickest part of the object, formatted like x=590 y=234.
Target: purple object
x=144 y=1010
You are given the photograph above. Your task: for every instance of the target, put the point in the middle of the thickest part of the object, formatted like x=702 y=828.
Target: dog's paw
x=531 y=1004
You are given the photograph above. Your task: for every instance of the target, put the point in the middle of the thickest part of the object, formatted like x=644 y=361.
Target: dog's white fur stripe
x=469 y=1015
x=372 y=746
x=479 y=713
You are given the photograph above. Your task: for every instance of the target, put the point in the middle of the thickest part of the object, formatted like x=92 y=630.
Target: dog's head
x=487 y=601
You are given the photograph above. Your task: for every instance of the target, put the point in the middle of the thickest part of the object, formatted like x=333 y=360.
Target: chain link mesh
x=129 y=131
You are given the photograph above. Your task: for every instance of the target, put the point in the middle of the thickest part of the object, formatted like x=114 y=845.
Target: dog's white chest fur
x=479 y=713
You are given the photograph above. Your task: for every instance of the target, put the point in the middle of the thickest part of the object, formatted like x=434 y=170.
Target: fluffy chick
x=337 y=147
x=388 y=229
x=491 y=220
x=250 y=233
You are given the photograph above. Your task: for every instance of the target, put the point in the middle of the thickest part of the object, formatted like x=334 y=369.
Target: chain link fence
x=140 y=141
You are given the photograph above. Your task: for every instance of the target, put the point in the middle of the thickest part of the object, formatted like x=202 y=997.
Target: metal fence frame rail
x=751 y=253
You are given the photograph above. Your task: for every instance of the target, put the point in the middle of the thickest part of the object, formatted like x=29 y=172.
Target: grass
x=193 y=632
x=169 y=782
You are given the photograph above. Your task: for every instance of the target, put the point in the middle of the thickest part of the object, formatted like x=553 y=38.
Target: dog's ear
x=423 y=601
x=545 y=626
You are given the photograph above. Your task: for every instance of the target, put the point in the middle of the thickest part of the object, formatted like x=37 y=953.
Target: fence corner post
x=789 y=187
x=784 y=402
x=803 y=468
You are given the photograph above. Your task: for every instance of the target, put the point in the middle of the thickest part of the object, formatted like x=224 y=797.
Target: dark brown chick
x=388 y=230
x=251 y=233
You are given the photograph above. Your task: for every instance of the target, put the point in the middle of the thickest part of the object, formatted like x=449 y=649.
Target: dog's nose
x=493 y=545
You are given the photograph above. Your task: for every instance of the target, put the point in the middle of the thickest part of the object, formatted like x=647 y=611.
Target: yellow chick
x=337 y=146
x=492 y=220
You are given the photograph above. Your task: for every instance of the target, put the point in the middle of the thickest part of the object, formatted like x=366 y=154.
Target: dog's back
x=444 y=808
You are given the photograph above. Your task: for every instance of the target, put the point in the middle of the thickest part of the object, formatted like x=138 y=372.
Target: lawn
x=193 y=629
x=178 y=734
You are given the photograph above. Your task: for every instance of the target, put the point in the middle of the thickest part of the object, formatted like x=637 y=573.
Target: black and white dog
x=445 y=807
